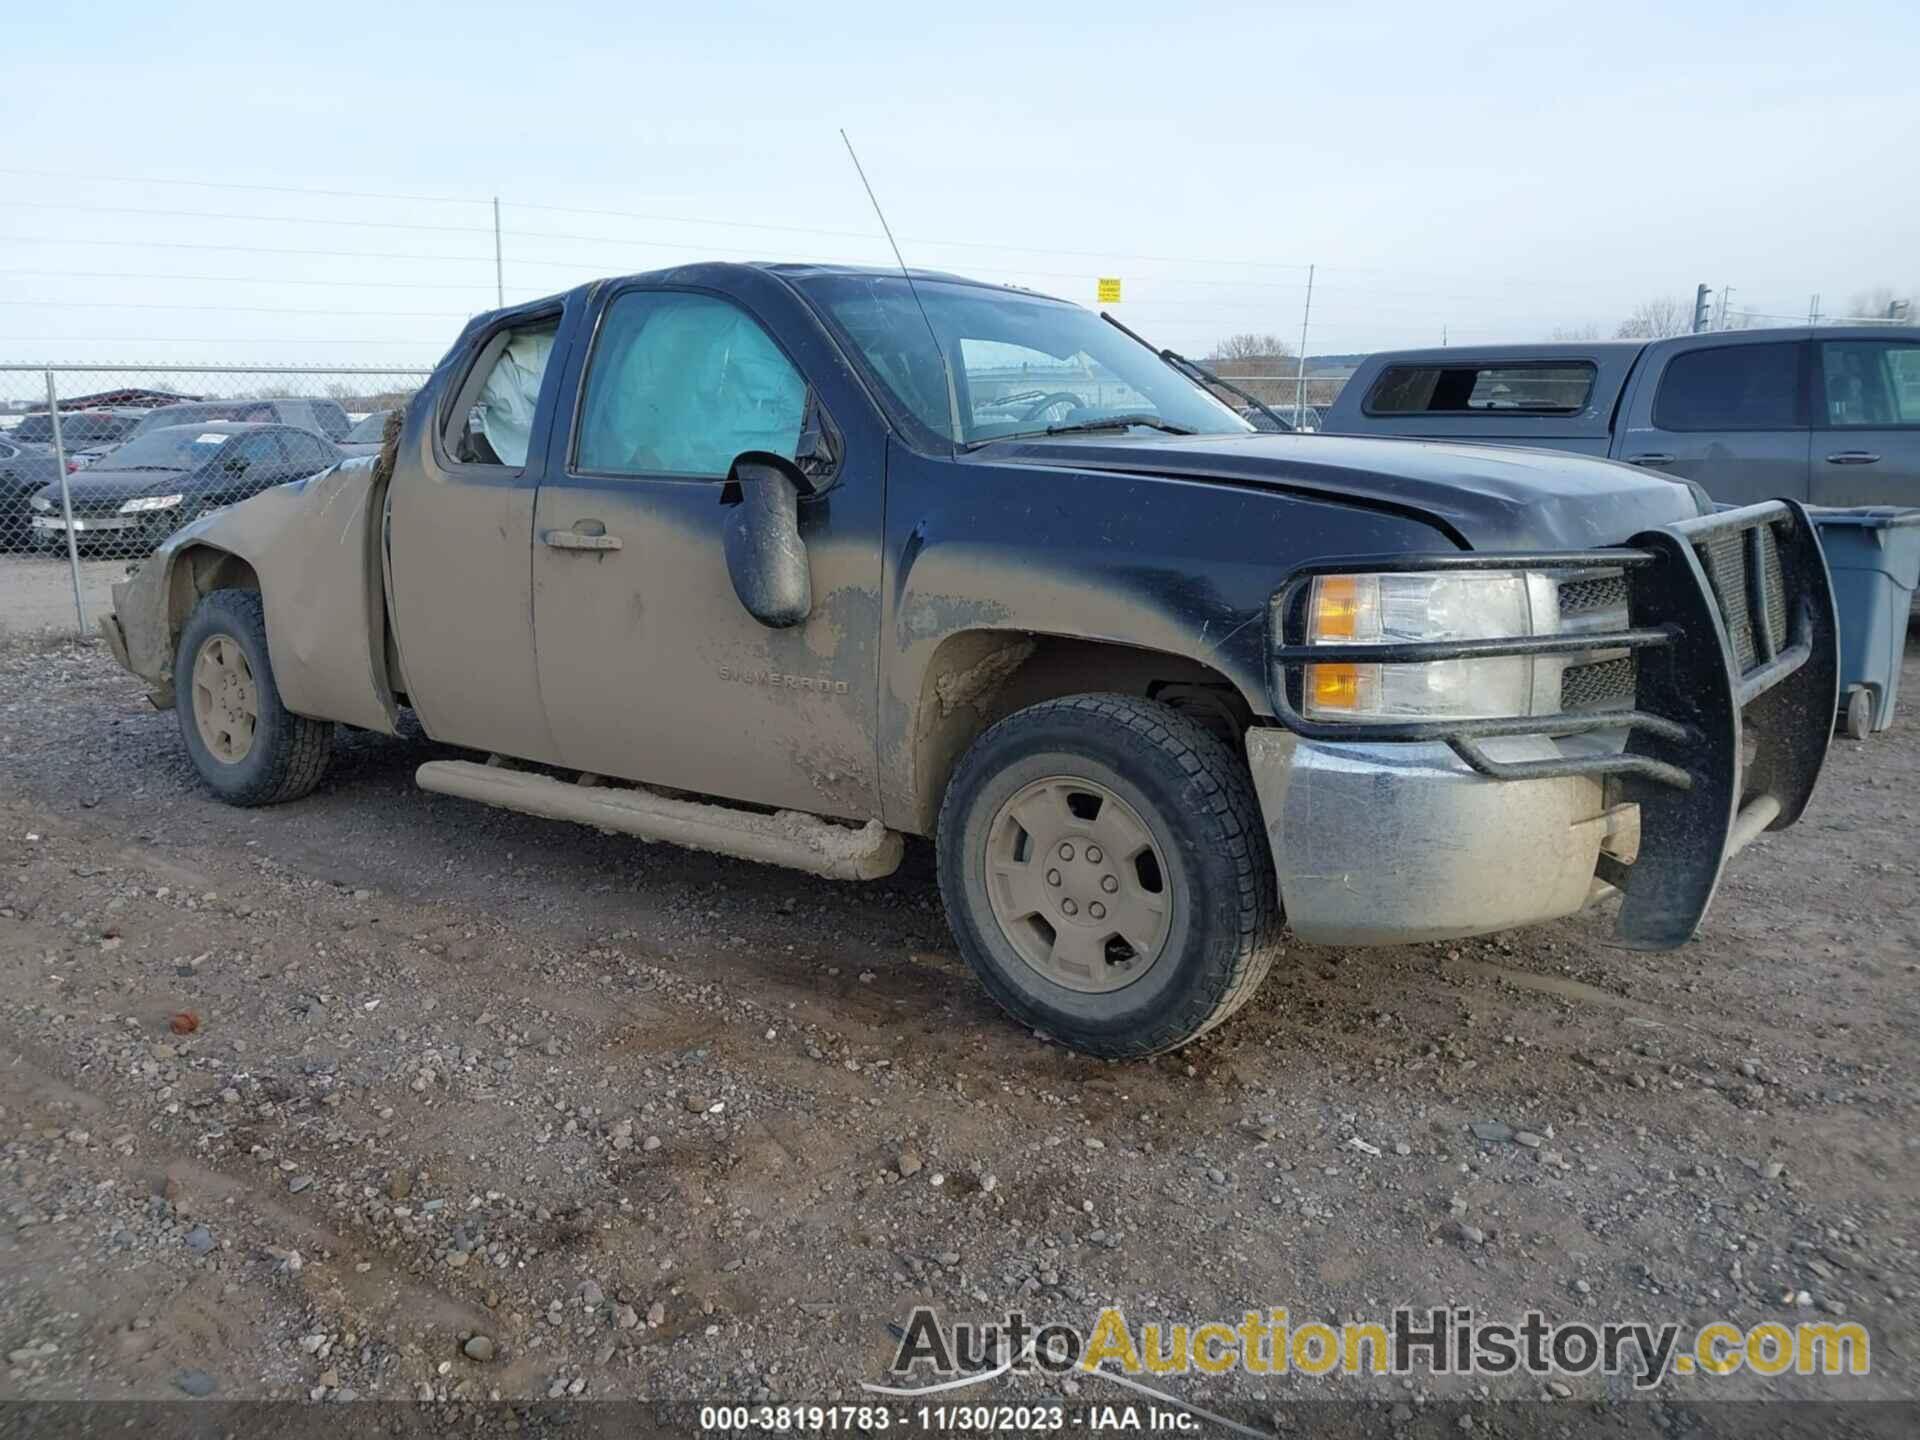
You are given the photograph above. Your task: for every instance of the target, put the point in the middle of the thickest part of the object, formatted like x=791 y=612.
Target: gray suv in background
x=1827 y=415
x=323 y=417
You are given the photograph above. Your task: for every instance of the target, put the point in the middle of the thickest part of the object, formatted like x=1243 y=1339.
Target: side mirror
x=766 y=558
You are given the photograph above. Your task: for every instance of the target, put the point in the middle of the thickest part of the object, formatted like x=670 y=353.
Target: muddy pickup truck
x=791 y=562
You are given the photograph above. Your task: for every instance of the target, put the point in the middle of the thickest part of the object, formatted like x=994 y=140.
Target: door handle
x=1852 y=457
x=575 y=539
x=1652 y=459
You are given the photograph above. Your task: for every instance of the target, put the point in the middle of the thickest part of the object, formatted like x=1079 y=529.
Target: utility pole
x=1726 y=307
x=499 y=265
x=1813 y=309
x=1300 y=370
x=1700 y=295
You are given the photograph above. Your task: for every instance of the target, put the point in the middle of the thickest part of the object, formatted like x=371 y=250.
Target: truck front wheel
x=246 y=744
x=1105 y=873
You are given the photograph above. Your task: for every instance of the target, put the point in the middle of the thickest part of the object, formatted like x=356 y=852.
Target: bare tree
x=1249 y=346
x=1651 y=319
x=1879 y=303
x=1574 y=334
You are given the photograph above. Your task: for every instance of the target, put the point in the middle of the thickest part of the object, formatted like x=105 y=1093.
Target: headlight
x=1403 y=608
x=150 y=502
x=40 y=502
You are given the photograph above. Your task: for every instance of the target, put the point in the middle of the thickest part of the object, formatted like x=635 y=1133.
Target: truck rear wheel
x=246 y=744
x=1105 y=874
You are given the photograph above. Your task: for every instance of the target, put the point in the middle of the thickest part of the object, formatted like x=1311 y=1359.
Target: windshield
x=1021 y=364
x=180 y=448
x=369 y=431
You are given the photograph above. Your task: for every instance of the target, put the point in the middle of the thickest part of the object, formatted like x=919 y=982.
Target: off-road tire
x=289 y=753
x=1196 y=796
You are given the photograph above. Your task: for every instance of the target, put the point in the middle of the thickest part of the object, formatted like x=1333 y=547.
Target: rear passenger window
x=1870 y=382
x=1734 y=387
x=680 y=384
x=495 y=422
x=1540 y=387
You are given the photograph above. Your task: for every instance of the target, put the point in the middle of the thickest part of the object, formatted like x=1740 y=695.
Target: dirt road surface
x=328 y=1100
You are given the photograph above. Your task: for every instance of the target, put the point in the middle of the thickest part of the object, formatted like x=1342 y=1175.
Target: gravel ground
x=386 y=1095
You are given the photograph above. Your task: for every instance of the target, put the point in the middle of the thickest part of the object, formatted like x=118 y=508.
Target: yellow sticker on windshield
x=1109 y=289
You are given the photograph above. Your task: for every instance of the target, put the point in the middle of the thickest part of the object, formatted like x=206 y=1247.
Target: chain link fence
x=1300 y=401
x=100 y=463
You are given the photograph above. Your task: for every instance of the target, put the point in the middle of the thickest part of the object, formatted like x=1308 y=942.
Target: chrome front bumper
x=85 y=526
x=1386 y=844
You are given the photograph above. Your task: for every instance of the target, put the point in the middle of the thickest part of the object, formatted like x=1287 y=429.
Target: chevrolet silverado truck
x=789 y=562
x=1829 y=415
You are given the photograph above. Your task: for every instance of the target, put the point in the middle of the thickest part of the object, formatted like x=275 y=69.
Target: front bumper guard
x=1730 y=721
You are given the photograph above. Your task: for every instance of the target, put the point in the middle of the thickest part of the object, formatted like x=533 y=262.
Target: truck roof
x=1627 y=349
x=712 y=271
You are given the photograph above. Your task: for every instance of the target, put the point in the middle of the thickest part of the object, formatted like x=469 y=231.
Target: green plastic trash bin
x=1873 y=554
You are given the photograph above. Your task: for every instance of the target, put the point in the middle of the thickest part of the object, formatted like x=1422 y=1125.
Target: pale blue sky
x=1497 y=170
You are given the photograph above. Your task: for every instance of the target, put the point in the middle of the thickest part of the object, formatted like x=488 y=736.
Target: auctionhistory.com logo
x=1435 y=1341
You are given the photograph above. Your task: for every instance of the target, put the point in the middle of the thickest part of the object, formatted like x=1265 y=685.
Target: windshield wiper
x=1083 y=427
x=1117 y=422
x=1193 y=371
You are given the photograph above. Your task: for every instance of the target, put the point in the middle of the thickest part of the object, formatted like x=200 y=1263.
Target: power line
x=646 y=217
x=225 y=215
x=244 y=279
x=204 y=340
x=244 y=309
x=238 y=185
x=835 y=259
x=247 y=249
x=696 y=246
x=652 y=219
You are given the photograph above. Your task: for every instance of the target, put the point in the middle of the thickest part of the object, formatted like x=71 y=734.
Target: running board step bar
x=790 y=838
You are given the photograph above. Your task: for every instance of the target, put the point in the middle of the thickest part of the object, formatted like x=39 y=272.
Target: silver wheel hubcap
x=226 y=701
x=1078 y=884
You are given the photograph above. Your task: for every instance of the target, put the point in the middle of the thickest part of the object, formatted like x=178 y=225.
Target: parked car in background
x=1829 y=415
x=365 y=436
x=151 y=486
x=23 y=470
x=85 y=433
x=322 y=417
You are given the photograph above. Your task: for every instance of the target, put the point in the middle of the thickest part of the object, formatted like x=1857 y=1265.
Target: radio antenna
x=953 y=396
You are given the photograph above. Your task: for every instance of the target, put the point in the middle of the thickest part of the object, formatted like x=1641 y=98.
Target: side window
x=1515 y=387
x=1869 y=382
x=1734 y=387
x=244 y=456
x=300 y=449
x=680 y=384
x=494 y=422
x=312 y=452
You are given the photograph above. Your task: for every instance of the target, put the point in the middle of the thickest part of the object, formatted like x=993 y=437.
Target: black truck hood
x=1488 y=497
